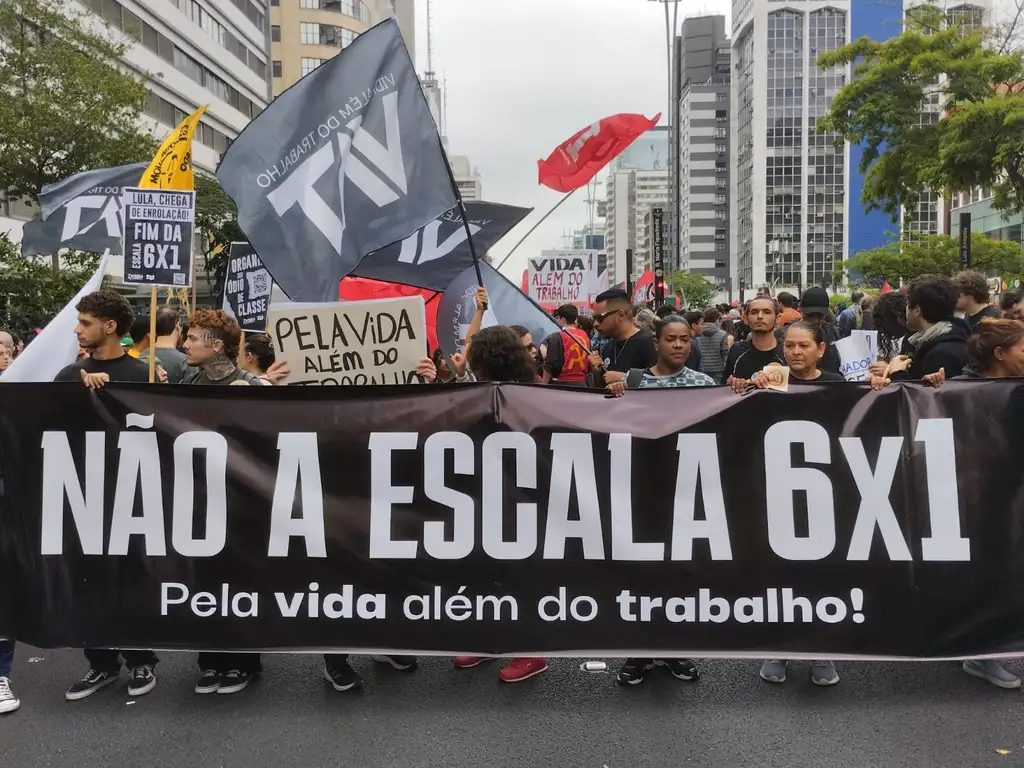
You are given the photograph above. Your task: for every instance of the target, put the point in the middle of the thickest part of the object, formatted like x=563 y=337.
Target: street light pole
x=671 y=23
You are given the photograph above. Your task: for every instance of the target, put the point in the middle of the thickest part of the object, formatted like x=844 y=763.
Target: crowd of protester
x=935 y=329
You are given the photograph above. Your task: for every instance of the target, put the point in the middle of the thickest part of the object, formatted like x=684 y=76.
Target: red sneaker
x=521 y=669
x=468 y=662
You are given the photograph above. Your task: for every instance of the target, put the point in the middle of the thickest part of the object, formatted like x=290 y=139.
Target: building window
x=721 y=96
x=277 y=68
x=275 y=34
x=721 y=183
x=719 y=247
x=308 y=65
x=719 y=133
x=721 y=149
x=721 y=215
x=720 y=114
x=275 y=3
x=309 y=34
x=720 y=199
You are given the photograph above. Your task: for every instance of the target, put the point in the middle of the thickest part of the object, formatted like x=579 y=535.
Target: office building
x=798 y=209
x=702 y=222
x=467 y=177
x=192 y=52
x=637 y=182
x=306 y=33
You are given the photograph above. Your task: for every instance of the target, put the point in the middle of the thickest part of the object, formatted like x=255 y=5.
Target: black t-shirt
x=121 y=369
x=826 y=376
x=745 y=359
x=635 y=352
x=974 y=320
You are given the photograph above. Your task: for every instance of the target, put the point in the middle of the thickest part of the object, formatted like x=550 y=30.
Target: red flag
x=362 y=288
x=577 y=161
x=886 y=288
x=643 y=291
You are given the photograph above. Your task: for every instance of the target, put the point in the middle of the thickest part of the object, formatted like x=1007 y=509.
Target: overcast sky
x=524 y=75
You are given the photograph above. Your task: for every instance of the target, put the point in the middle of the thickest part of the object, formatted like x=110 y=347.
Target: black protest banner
x=247 y=289
x=827 y=521
x=158 y=237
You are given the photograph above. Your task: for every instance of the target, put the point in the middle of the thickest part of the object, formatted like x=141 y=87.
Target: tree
x=217 y=221
x=29 y=293
x=65 y=103
x=694 y=288
x=936 y=255
x=940 y=59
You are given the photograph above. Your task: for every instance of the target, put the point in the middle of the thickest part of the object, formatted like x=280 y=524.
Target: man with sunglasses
x=629 y=346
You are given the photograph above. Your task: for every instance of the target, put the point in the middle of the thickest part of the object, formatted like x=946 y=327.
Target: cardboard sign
x=855 y=357
x=247 y=289
x=563 y=277
x=872 y=340
x=158 y=237
x=380 y=341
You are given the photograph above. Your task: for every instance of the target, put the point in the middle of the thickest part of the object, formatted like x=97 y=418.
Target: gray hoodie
x=714 y=349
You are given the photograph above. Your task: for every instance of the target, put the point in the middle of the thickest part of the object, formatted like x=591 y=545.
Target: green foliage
x=979 y=142
x=936 y=255
x=217 y=220
x=695 y=289
x=65 y=104
x=30 y=294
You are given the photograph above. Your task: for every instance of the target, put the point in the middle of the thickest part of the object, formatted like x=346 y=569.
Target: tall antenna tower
x=430 y=41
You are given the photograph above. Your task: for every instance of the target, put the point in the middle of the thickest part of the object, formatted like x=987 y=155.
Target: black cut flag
x=438 y=253
x=82 y=212
x=506 y=305
x=342 y=164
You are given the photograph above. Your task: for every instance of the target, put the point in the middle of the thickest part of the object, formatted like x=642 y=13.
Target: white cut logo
x=298 y=187
x=423 y=246
x=110 y=215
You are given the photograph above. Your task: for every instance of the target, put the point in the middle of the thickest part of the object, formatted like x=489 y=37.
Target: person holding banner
x=804 y=347
x=103 y=318
x=566 y=353
x=629 y=347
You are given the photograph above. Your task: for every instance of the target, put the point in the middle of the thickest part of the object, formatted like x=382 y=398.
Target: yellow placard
x=171 y=167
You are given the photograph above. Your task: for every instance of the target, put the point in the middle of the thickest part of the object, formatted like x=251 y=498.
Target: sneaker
x=680 y=669
x=401 y=663
x=986 y=669
x=521 y=669
x=92 y=682
x=632 y=671
x=234 y=681
x=773 y=671
x=343 y=677
x=143 y=681
x=208 y=682
x=468 y=662
x=8 y=701
x=824 y=673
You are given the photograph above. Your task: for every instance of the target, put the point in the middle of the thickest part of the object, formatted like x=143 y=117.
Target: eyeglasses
x=602 y=316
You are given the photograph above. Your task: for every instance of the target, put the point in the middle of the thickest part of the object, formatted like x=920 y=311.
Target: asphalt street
x=910 y=714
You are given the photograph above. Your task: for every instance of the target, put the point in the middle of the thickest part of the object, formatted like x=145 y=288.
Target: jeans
x=222 y=663
x=109 y=659
x=6 y=657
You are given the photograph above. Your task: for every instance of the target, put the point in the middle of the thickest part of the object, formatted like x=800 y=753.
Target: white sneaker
x=8 y=701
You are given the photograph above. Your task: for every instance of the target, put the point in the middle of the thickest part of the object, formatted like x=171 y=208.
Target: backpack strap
x=634 y=377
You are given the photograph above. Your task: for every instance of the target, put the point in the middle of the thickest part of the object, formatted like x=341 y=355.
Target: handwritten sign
x=855 y=357
x=563 y=277
x=379 y=341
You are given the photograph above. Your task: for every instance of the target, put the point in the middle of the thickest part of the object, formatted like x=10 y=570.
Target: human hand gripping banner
x=830 y=522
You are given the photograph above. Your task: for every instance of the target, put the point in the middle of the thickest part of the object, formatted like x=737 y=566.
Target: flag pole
x=465 y=216
x=152 y=335
x=565 y=197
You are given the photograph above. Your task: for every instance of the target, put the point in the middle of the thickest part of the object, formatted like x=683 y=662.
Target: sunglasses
x=602 y=316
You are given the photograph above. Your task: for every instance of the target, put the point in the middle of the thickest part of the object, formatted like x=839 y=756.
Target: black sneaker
x=401 y=663
x=143 y=681
x=680 y=669
x=209 y=682
x=343 y=677
x=632 y=671
x=234 y=681
x=94 y=680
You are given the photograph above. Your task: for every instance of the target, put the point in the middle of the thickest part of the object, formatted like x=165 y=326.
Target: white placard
x=379 y=341
x=563 y=277
x=855 y=356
